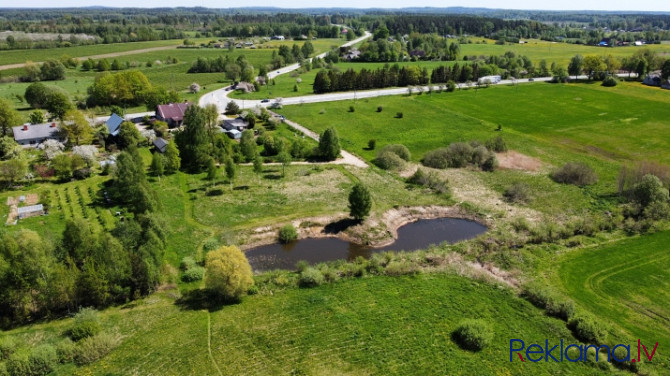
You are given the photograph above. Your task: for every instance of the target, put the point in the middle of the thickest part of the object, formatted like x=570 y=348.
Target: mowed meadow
x=555 y=122
x=368 y=326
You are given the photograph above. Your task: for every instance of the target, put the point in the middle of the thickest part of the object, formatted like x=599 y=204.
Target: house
x=489 y=79
x=172 y=114
x=30 y=211
x=605 y=42
x=353 y=54
x=238 y=124
x=234 y=134
x=160 y=144
x=114 y=124
x=277 y=37
x=638 y=43
x=31 y=135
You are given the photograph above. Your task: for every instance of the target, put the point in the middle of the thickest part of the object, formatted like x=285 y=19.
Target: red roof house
x=172 y=113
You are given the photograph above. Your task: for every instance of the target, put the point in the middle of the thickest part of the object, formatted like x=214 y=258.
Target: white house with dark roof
x=31 y=135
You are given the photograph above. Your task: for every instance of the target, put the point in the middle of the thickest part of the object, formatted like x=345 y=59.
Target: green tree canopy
x=228 y=273
x=360 y=202
x=9 y=117
x=329 y=145
x=193 y=141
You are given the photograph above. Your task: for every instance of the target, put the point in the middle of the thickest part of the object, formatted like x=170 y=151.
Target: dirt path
x=102 y=56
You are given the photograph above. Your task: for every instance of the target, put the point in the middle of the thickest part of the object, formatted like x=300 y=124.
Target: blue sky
x=646 y=5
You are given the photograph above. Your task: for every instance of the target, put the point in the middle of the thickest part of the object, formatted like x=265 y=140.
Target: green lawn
x=380 y=325
x=626 y=285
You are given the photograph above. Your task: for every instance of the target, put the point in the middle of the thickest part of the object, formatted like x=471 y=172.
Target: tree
x=130 y=184
x=665 y=70
x=13 y=169
x=228 y=274
x=575 y=66
x=232 y=108
x=593 y=65
x=62 y=164
x=9 y=117
x=157 y=168
x=322 y=83
x=258 y=164
x=77 y=128
x=193 y=141
x=612 y=64
x=52 y=70
x=57 y=102
x=129 y=135
x=359 y=202
x=248 y=145
x=329 y=145
x=284 y=157
x=172 y=159
x=36 y=117
x=650 y=190
x=194 y=88
x=36 y=95
x=230 y=171
x=211 y=170
x=211 y=119
x=9 y=148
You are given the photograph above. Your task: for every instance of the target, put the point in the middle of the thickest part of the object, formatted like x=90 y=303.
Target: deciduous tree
x=228 y=273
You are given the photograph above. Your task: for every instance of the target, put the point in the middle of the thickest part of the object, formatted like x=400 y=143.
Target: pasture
x=625 y=285
x=380 y=325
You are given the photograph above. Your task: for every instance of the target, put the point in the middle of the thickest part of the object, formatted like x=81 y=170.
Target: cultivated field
x=625 y=285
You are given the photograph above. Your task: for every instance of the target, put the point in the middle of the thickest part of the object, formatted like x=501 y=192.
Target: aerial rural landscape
x=194 y=189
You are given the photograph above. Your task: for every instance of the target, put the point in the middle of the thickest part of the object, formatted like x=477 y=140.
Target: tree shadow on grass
x=339 y=226
x=197 y=300
x=241 y=188
x=272 y=176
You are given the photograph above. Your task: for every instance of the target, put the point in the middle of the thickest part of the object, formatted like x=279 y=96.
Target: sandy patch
x=32 y=199
x=513 y=160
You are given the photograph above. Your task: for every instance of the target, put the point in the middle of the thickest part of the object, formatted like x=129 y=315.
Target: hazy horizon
x=567 y=5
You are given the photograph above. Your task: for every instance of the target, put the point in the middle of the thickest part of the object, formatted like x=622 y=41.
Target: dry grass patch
x=513 y=160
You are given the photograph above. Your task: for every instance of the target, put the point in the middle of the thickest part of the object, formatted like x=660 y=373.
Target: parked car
x=265 y=100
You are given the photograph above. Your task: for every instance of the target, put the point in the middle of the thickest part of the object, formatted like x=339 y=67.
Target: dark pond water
x=416 y=235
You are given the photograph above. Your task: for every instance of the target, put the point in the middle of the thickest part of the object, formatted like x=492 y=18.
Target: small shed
x=30 y=211
x=160 y=144
x=234 y=134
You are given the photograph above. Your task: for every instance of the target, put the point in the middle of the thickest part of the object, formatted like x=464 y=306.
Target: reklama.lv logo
x=536 y=352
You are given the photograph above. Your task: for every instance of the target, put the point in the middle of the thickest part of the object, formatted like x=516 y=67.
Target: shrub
x=497 y=144
x=399 y=150
x=459 y=154
x=399 y=115
x=563 y=309
x=396 y=268
x=479 y=154
x=518 y=193
x=94 y=348
x=210 y=245
x=311 y=277
x=473 y=335
x=379 y=108
x=586 y=329
x=430 y=181
x=42 y=360
x=537 y=295
x=352 y=109
x=609 y=81
x=301 y=266
x=66 y=350
x=193 y=274
x=438 y=158
x=575 y=173
x=18 y=365
x=451 y=86
x=7 y=347
x=86 y=324
x=287 y=234
x=187 y=263
x=388 y=161
x=491 y=163
x=372 y=144
x=3 y=370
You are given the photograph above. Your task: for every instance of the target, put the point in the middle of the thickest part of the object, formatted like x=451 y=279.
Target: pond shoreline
x=374 y=232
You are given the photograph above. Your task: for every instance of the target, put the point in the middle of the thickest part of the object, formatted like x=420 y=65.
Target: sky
x=639 y=5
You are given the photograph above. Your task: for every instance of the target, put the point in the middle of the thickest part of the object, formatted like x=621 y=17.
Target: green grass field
x=381 y=325
x=624 y=284
x=538 y=50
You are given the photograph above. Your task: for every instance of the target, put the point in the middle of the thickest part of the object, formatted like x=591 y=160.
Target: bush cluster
x=192 y=271
x=575 y=173
x=473 y=335
x=429 y=180
x=517 y=193
x=392 y=157
x=461 y=154
x=587 y=329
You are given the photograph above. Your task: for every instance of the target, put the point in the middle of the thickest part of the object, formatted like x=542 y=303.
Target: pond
x=413 y=236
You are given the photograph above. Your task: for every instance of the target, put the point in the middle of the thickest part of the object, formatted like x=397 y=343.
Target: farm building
x=490 y=79
x=114 y=124
x=172 y=114
x=277 y=37
x=30 y=211
x=31 y=135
